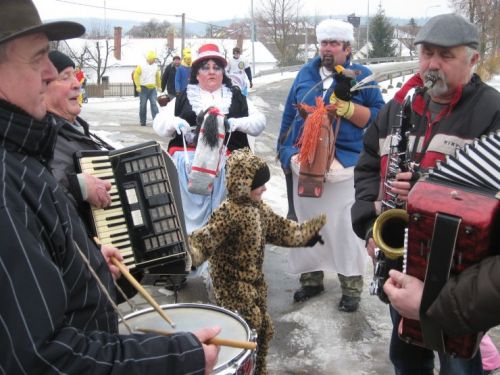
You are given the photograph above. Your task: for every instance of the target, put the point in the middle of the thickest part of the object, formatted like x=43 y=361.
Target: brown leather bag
x=317 y=147
x=163 y=100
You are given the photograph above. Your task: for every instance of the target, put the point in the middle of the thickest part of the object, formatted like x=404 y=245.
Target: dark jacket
x=55 y=318
x=69 y=141
x=465 y=303
x=474 y=111
x=168 y=79
x=468 y=303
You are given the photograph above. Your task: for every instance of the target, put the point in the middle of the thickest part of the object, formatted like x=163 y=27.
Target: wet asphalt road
x=312 y=337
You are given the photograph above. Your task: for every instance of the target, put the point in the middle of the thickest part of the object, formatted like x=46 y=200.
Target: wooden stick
x=143 y=292
x=215 y=340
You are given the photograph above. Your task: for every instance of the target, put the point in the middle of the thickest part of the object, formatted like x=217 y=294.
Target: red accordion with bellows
x=452 y=226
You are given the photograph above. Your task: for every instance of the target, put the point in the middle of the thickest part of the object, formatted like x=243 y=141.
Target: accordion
x=145 y=219
x=454 y=223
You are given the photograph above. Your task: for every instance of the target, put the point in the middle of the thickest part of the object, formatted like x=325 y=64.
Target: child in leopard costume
x=233 y=241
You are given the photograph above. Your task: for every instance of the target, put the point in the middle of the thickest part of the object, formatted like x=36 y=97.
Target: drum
x=192 y=317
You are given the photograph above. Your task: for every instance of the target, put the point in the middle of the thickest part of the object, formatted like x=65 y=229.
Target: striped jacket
x=53 y=316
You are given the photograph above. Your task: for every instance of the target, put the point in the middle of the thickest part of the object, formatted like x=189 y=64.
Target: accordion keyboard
x=142 y=220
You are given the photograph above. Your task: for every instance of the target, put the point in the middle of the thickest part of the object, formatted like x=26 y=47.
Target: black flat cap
x=448 y=30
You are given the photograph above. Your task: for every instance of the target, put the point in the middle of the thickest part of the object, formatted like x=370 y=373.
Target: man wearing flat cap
x=450 y=107
x=54 y=316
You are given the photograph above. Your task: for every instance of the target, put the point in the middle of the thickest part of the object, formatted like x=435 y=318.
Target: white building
x=132 y=51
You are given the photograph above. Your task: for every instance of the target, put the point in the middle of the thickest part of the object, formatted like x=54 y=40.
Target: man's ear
x=475 y=58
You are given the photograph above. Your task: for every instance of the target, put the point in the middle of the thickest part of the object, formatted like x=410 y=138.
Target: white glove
x=182 y=127
x=233 y=125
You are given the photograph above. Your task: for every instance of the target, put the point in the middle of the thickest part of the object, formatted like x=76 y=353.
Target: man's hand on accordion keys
x=108 y=252
x=404 y=293
x=96 y=191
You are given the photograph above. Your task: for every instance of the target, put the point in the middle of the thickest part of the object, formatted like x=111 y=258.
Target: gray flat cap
x=448 y=30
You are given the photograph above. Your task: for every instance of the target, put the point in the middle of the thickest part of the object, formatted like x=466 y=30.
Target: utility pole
x=368 y=29
x=252 y=35
x=183 y=31
x=306 y=43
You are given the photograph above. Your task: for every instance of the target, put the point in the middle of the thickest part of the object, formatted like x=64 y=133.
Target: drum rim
x=244 y=353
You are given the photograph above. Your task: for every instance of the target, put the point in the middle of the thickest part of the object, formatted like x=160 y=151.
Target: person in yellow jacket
x=147 y=80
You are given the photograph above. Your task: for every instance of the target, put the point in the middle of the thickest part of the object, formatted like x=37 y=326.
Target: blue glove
x=182 y=127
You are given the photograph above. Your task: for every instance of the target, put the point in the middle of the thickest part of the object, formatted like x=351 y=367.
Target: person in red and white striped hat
x=208 y=86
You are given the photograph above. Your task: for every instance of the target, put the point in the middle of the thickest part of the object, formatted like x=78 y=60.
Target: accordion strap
x=437 y=274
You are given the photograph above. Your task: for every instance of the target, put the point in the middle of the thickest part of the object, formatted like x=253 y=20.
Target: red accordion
x=451 y=227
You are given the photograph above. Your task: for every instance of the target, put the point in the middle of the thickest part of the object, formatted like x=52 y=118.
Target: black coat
x=55 y=318
x=168 y=79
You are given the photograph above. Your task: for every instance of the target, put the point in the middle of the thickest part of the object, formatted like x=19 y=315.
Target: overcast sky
x=213 y=10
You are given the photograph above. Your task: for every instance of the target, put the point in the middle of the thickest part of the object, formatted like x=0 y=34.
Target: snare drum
x=192 y=317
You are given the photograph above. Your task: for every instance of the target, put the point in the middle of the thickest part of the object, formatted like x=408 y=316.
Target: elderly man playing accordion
x=449 y=107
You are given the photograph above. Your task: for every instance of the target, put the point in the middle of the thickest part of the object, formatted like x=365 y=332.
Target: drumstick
x=143 y=292
x=214 y=340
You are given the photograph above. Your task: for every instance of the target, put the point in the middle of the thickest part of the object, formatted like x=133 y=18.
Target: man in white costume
x=343 y=252
x=239 y=71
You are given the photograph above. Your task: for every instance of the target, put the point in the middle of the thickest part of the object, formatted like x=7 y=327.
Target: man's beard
x=328 y=62
x=435 y=80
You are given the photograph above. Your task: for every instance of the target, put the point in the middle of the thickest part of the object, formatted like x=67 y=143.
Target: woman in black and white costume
x=208 y=87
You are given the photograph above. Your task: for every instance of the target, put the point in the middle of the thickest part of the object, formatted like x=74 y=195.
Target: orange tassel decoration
x=308 y=140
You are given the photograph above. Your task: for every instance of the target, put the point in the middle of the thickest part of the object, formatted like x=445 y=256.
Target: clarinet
x=392 y=221
x=389 y=230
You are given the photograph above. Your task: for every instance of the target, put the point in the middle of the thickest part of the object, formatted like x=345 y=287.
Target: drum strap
x=437 y=274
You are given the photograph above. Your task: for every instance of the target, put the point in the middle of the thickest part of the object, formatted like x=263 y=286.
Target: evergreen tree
x=381 y=36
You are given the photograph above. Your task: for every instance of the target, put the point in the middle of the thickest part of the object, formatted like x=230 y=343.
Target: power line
x=138 y=12
x=118 y=10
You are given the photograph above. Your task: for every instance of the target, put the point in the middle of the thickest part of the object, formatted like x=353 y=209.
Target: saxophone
x=389 y=227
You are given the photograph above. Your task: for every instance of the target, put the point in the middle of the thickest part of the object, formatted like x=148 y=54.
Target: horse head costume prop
x=317 y=146
x=212 y=128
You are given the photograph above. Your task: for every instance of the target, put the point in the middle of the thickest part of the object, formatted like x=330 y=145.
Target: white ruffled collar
x=200 y=99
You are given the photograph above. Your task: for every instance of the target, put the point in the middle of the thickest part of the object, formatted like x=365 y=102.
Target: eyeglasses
x=216 y=68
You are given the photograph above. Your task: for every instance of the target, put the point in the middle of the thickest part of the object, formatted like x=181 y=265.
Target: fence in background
x=385 y=73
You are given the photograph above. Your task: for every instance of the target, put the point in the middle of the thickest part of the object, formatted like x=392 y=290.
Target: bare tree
x=94 y=53
x=278 y=21
x=486 y=15
x=407 y=38
x=150 y=29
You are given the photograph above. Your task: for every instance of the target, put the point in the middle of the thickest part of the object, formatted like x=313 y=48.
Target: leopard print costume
x=233 y=241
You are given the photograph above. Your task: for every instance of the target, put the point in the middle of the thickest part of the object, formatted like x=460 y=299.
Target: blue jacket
x=350 y=138
x=182 y=78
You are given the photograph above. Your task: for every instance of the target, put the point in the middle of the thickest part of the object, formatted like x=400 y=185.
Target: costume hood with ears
x=186 y=57
x=244 y=170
